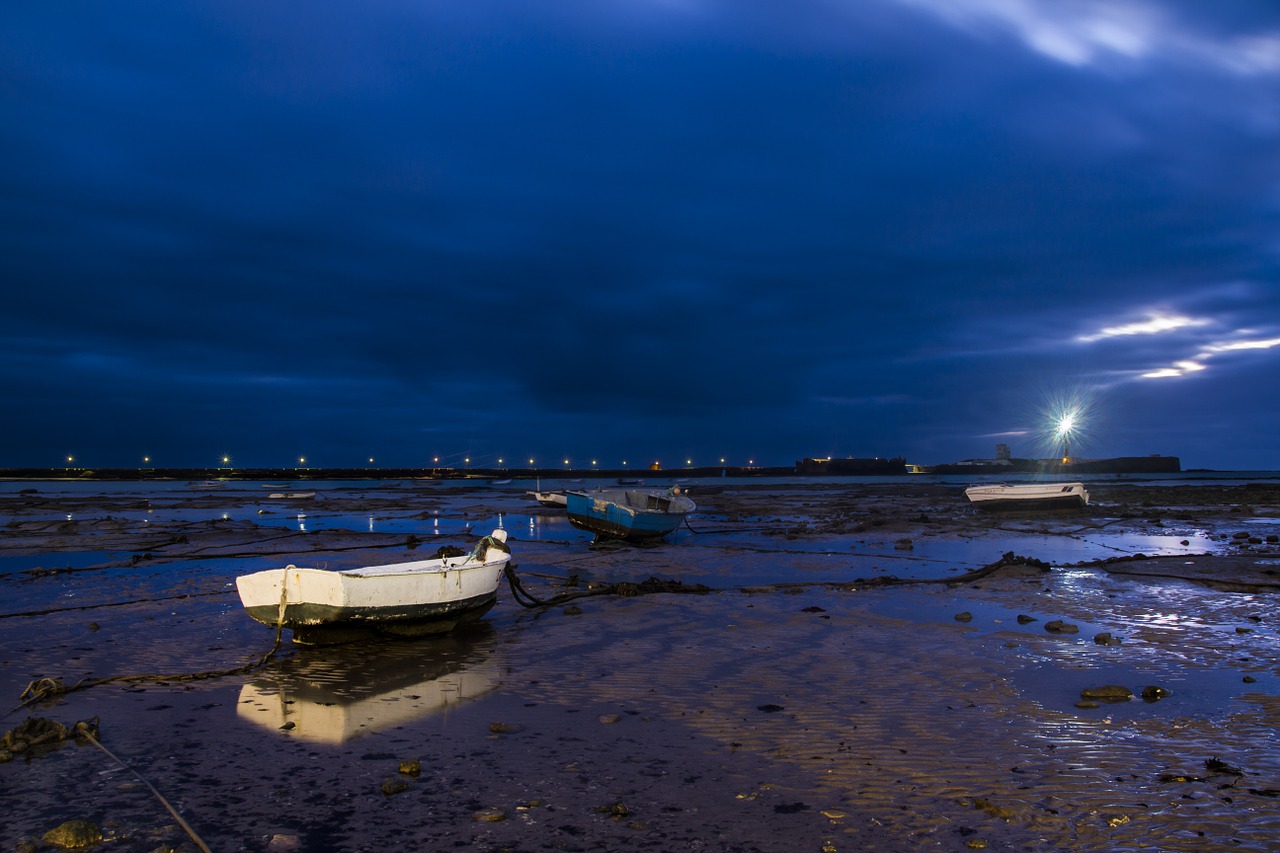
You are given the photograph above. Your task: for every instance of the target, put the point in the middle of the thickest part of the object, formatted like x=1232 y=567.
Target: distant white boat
x=551 y=499
x=406 y=599
x=291 y=495
x=1028 y=496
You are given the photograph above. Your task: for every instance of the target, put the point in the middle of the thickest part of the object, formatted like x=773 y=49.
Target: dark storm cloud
x=681 y=228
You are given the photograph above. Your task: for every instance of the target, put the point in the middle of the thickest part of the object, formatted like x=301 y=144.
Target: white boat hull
x=423 y=596
x=1028 y=496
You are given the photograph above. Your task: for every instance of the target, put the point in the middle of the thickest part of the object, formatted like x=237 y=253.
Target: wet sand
x=840 y=689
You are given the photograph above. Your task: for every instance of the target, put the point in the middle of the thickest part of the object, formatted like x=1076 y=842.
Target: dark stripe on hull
x=310 y=615
x=1071 y=502
x=611 y=530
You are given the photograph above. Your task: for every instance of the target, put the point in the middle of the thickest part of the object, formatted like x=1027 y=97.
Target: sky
x=627 y=231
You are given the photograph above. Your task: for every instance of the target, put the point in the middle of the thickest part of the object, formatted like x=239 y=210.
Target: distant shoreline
x=198 y=474
x=479 y=475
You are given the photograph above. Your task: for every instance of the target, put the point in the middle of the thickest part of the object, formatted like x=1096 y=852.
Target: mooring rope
x=627 y=589
x=45 y=688
x=112 y=604
x=83 y=731
x=656 y=585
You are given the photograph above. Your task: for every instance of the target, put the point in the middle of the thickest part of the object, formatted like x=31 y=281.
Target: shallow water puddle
x=54 y=562
x=1193 y=692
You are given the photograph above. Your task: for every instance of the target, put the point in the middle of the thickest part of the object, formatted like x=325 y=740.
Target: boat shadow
x=332 y=694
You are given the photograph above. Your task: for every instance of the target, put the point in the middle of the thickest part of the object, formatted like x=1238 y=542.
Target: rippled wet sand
x=804 y=705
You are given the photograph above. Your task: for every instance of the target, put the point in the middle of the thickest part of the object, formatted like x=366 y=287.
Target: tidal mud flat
x=847 y=683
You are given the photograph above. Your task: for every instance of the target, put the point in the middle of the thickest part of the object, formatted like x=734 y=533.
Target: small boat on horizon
x=630 y=514
x=1028 y=496
x=555 y=500
x=407 y=599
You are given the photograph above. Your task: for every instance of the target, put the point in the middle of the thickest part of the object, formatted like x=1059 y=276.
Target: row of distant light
x=302 y=460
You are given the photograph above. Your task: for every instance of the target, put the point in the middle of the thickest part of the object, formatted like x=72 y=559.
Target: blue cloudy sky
x=638 y=229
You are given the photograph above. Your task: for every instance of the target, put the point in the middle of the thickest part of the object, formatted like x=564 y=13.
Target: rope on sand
x=39 y=731
x=50 y=610
x=47 y=688
x=186 y=827
x=653 y=585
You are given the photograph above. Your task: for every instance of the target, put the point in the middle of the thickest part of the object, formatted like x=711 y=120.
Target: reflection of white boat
x=330 y=703
x=551 y=499
x=632 y=514
x=419 y=597
x=291 y=495
x=1028 y=496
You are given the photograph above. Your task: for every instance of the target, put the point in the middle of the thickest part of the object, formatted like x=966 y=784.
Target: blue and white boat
x=630 y=514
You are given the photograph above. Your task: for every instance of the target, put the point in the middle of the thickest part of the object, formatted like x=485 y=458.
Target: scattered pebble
x=615 y=810
x=74 y=835
x=281 y=843
x=391 y=787
x=504 y=728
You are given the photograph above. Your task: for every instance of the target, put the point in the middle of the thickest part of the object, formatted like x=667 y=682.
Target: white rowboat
x=405 y=599
x=1028 y=496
